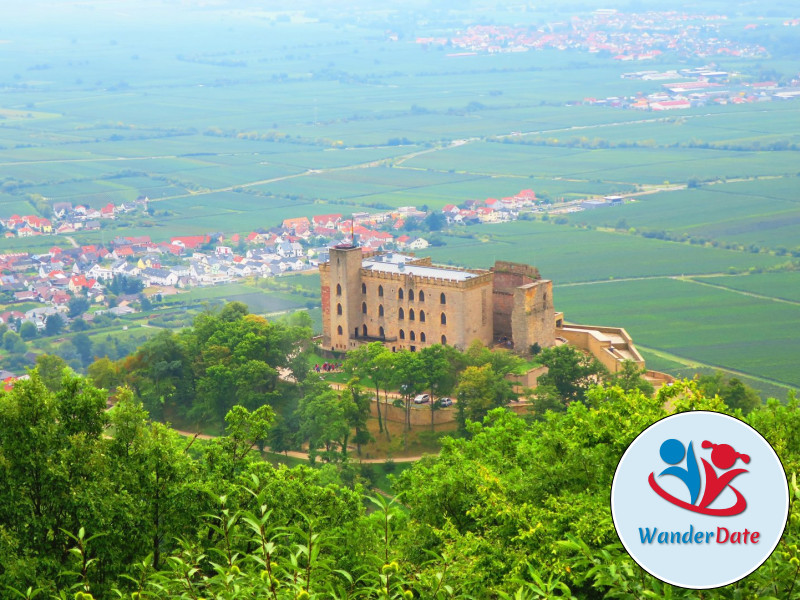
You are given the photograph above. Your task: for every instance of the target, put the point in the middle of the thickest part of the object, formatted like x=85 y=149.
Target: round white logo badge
x=700 y=500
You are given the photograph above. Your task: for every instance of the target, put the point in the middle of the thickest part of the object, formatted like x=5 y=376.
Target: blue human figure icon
x=672 y=452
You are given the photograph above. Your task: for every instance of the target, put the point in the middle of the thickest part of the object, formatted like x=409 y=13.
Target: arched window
x=410 y=294
x=411 y=336
x=422 y=337
x=380 y=310
x=339 y=330
x=364 y=330
x=444 y=340
x=444 y=319
x=363 y=288
x=402 y=334
x=381 y=333
x=442 y=299
x=338 y=289
x=363 y=308
x=422 y=316
x=411 y=314
x=338 y=309
x=421 y=296
x=401 y=314
x=400 y=293
x=380 y=291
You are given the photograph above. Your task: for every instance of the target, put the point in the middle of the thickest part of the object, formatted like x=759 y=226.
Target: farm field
x=272 y=118
x=764 y=212
x=716 y=327
x=781 y=286
x=567 y=254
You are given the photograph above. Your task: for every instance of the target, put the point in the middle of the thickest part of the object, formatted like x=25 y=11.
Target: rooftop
x=398 y=263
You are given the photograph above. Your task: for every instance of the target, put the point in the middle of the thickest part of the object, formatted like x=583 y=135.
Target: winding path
x=304 y=455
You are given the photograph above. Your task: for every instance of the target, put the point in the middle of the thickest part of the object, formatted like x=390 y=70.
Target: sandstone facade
x=407 y=302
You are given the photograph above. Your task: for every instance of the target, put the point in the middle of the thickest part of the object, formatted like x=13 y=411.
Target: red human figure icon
x=724 y=457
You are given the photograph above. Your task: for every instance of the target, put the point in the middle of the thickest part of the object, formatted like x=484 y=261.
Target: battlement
x=408 y=278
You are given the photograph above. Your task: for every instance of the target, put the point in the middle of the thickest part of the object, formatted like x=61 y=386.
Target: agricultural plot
x=783 y=285
x=764 y=123
x=566 y=254
x=761 y=213
x=716 y=327
x=624 y=165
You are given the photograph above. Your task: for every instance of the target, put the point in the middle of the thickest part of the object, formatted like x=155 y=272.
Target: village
x=698 y=87
x=624 y=36
x=55 y=278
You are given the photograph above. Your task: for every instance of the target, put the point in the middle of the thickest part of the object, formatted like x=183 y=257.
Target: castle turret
x=341 y=297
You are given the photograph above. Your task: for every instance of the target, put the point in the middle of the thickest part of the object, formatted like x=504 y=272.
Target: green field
x=567 y=254
x=781 y=286
x=712 y=326
x=764 y=212
x=229 y=129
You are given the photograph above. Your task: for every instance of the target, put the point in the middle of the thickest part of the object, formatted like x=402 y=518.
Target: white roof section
x=397 y=263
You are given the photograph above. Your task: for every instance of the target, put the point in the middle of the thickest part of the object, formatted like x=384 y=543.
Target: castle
x=407 y=302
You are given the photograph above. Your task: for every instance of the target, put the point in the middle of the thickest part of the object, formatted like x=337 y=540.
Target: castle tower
x=341 y=297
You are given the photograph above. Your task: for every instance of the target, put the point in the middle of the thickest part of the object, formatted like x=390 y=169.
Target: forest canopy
x=102 y=504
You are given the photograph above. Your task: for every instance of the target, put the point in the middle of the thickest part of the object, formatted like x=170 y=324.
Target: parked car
x=422 y=399
x=445 y=402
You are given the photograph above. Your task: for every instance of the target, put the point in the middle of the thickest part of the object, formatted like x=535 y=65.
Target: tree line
x=98 y=503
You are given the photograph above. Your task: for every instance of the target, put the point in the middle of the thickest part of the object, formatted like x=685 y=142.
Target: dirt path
x=304 y=455
x=735 y=291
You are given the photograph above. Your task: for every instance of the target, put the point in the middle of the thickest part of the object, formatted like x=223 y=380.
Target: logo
x=723 y=456
x=699 y=500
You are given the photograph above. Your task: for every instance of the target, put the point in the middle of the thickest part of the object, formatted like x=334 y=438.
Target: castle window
x=381 y=333
x=410 y=294
x=339 y=330
x=444 y=340
x=401 y=314
x=400 y=293
x=422 y=337
x=422 y=296
x=380 y=310
x=422 y=316
x=364 y=308
x=338 y=289
x=444 y=319
x=364 y=330
x=411 y=315
x=442 y=299
x=380 y=291
x=402 y=334
x=363 y=288
x=338 y=309
x=411 y=336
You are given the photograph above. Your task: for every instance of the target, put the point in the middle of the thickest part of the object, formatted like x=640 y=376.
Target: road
x=304 y=455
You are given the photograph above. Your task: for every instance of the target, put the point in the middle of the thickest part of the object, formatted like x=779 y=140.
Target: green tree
x=570 y=371
x=408 y=376
x=630 y=377
x=479 y=390
x=83 y=345
x=13 y=343
x=76 y=306
x=28 y=331
x=51 y=370
x=104 y=373
x=54 y=324
x=733 y=391
x=356 y=410
x=371 y=361
x=439 y=374
x=244 y=430
x=322 y=421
